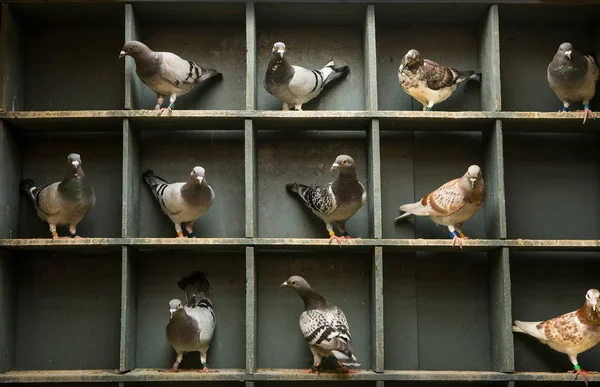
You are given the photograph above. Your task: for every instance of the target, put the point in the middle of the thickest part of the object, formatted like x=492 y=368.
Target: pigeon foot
x=172 y=369
x=207 y=370
x=160 y=112
x=312 y=370
x=584 y=373
x=336 y=238
x=459 y=240
x=587 y=113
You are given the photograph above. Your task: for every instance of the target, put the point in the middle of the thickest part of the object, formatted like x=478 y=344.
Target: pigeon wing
x=438 y=76
x=319 y=199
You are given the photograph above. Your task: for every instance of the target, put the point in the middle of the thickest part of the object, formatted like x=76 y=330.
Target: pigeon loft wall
x=422 y=312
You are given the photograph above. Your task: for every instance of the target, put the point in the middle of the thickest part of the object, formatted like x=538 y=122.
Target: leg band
x=576 y=367
x=75 y=235
x=586 y=106
x=460 y=234
x=331 y=233
x=345 y=234
x=54 y=234
x=454 y=234
x=191 y=235
x=565 y=109
x=180 y=234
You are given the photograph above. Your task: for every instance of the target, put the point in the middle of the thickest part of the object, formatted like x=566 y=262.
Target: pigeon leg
x=189 y=227
x=429 y=107
x=178 y=229
x=316 y=362
x=73 y=231
x=53 y=232
x=169 y=108
x=332 y=235
x=345 y=369
x=159 y=101
x=342 y=227
x=456 y=237
x=175 y=365
x=580 y=371
x=587 y=112
x=205 y=368
x=285 y=107
x=565 y=108
x=299 y=107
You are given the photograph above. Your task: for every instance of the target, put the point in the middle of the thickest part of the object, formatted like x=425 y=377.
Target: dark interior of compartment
x=68 y=310
x=173 y=156
x=546 y=285
x=342 y=278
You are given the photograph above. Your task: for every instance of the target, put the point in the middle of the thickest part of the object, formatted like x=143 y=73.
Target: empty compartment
x=68 y=55
x=157 y=276
x=44 y=159
x=552 y=184
x=212 y=35
x=313 y=35
x=413 y=164
x=434 y=304
x=546 y=285
x=172 y=154
x=68 y=307
x=317 y=383
x=305 y=157
x=184 y=384
x=530 y=35
x=343 y=278
x=450 y=36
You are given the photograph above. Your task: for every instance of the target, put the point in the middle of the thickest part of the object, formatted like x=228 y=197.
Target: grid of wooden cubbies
x=94 y=309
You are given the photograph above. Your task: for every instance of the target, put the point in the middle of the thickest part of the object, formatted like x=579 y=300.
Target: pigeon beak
x=280 y=52
x=284 y=285
x=122 y=54
x=75 y=164
x=568 y=54
x=472 y=180
x=199 y=179
x=172 y=311
x=334 y=167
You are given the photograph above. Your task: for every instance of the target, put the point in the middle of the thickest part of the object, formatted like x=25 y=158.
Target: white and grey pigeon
x=192 y=324
x=573 y=78
x=182 y=202
x=451 y=204
x=571 y=333
x=336 y=202
x=324 y=327
x=63 y=203
x=294 y=85
x=165 y=73
x=429 y=82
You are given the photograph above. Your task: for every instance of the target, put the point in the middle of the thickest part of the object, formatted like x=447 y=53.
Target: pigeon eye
x=345 y=162
x=293 y=283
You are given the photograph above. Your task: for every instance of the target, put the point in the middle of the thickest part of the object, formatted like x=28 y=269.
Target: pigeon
x=191 y=326
x=572 y=333
x=573 y=78
x=324 y=327
x=165 y=73
x=337 y=201
x=63 y=203
x=429 y=82
x=451 y=204
x=182 y=202
x=295 y=85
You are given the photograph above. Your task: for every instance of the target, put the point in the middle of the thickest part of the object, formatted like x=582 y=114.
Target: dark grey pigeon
x=573 y=78
x=182 y=202
x=337 y=201
x=63 y=203
x=324 y=327
x=165 y=73
x=295 y=85
x=192 y=324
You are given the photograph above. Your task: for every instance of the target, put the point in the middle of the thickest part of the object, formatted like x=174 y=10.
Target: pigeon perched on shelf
x=295 y=85
x=63 y=203
x=451 y=204
x=165 y=73
x=429 y=82
x=572 y=333
x=337 y=201
x=324 y=327
x=182 y=202
x=191 y=326
x=573 y=78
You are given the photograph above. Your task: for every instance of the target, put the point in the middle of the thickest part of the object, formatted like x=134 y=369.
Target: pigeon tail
x=403 y=216
x=528 y=327
x=415 y=209
x=29 y=187
x=207 y=74
x=346 y=358
x=336 y=72
x=196 y=288
x=292 y=187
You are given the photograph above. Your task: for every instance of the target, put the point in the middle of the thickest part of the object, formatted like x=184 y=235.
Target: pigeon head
x=174 y=305
x=474 y=175
x=412 y=58
x=591 y=298
x=343 y=163
x=279 y=48
x=297 y=283
x=74 y=160
x=566 y=49
x=308 y=295
x=133 y=48
x=198 y=175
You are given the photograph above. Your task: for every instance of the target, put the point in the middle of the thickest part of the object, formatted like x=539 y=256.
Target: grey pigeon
x=192 y=324
x=324 y=327
x=337 y=201
x=182 y=202
x=573 y=78
x=429 y=82
x=164 y=72
x=295 y=85
x=571 y=333
x=63 y=203
x=451 y=204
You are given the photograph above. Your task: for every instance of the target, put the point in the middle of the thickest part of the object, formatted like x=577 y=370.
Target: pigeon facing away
x=572 y=333
x=63 y=203
x=324 y=327
x=182 y=202
x=295 y=85
x=451 y=204
x=337 y=201
x=164 y=72
x=429 y=82
x=192 y=325
x=573 y=78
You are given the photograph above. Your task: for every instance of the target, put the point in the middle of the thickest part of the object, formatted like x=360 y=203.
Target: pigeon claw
x=583 y=373
x=207 y=370
x=459 y=240
x=587 y=113
x=337 y=239
x=172 y=369
x=160 y=111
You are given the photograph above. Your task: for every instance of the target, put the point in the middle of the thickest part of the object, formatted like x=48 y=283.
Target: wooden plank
x=501 y=311
x=12 y=85
x=251 y=180
x=133 y=84
x=10 y=175
x=251 y=82
x=8 y=310
x=370 y=48
x=489 y=59
x=251 y=318
x=493 y=175
x=128 y=309
x=374 y=185
x=377 y=320
x=131 y=182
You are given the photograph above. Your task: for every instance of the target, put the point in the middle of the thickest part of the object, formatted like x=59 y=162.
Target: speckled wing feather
x=323 y=327
x=563 y=330
x=319 y=199
x=445 y=200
